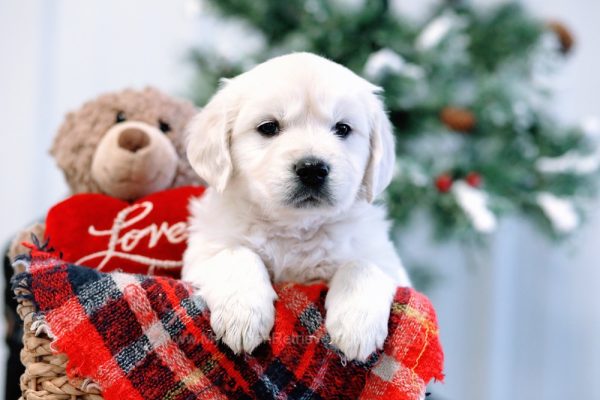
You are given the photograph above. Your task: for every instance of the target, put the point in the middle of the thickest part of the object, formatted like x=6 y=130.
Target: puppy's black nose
x=312 y=171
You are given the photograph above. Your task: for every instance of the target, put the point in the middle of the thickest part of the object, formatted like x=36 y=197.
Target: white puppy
x=294 y=151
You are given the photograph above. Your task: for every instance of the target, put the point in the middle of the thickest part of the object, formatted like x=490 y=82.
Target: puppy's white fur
x=244 y=233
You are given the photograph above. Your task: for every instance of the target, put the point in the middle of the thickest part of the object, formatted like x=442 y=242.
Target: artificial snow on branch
x=434 y=32
x=570 y=162
x=388 y=61
x=560 y=212
x=474 y=203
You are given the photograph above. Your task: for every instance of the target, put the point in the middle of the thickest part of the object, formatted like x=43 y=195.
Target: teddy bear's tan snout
x=133 y=139
x=134 y=159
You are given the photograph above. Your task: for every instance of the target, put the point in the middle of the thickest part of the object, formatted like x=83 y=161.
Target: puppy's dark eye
x=120 y=117
x=342 y=130
x=163 y=126
x=269 y=128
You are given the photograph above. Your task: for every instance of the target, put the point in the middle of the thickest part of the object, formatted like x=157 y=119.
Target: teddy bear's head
x=126 y=144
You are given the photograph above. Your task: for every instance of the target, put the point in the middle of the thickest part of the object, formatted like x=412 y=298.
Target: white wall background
x=520 y=320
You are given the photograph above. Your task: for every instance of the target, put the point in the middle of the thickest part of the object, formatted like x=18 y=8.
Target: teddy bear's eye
x=163 y=126
x=120 y=117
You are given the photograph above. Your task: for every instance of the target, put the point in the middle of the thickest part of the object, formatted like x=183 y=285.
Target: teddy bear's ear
x=209 y=139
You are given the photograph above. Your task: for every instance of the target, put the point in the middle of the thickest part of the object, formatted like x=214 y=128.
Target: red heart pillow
x=147 y=236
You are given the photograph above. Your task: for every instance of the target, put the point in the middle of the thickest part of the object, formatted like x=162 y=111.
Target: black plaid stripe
x=116 y=335
x=159 y=301
x=194 y=306
x=311 y=319
x=133 y=354
x=301 y=392
x=154 y=380
x=96 y=294
x=276 y=379
x=164 y=310
x=172 y=324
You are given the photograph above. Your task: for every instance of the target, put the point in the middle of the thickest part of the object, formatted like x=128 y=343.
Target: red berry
x=474 y=179
x=443 y=183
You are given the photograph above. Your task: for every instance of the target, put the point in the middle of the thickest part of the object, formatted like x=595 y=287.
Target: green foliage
x=488 y=62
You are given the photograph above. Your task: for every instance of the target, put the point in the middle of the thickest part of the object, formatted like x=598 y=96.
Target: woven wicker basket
x=45 y=377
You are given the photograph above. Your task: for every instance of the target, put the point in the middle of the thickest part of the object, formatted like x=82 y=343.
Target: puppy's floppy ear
x=380 y=167
x=209 y=139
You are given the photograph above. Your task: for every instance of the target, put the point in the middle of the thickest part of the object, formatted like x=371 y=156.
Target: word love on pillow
x=147 y=236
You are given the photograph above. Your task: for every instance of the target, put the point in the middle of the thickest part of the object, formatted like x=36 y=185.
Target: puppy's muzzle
x=312 y=172
x=310 y=188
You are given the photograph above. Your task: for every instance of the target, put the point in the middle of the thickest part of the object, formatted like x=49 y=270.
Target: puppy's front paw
x=242 y=323
x=357 y=329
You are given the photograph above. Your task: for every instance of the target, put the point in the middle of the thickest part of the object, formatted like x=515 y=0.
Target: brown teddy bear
x=124 y=144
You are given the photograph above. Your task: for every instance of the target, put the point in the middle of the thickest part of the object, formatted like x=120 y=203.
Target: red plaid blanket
x=142 y=337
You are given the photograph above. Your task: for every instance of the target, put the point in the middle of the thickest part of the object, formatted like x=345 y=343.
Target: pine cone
x=563 y=34
x=458 y=119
